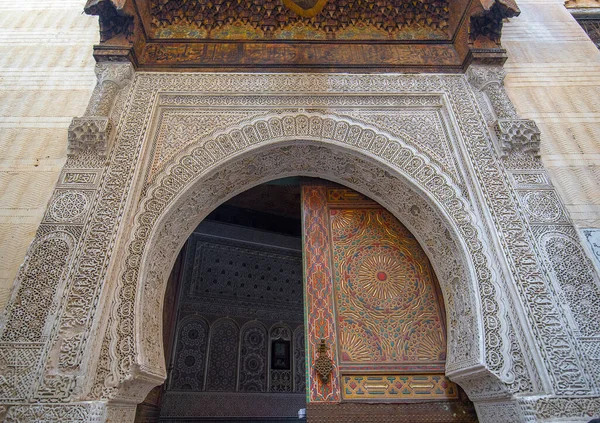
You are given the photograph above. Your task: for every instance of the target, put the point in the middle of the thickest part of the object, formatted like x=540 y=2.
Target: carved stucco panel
x=577 y=285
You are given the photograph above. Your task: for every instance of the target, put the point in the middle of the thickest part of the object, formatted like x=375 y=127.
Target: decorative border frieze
x=92 y=412
x=564 y=407
x=314 y=101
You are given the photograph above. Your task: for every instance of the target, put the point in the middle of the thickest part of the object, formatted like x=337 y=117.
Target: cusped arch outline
x=386 y=169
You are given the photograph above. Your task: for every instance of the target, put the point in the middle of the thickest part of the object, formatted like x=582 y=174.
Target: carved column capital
x=479 y=76
x=118 y=73
x=490 y=80
x=91 y=132
x=518 y=136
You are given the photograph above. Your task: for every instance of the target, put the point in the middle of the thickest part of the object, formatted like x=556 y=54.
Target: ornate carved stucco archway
x=415 y=189
x=445 y=154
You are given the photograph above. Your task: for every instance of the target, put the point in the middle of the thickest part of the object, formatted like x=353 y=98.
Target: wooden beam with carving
x=301 y=35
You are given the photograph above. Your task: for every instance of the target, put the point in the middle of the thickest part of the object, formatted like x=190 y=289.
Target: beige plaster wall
x=46 y=78
x=554 y=78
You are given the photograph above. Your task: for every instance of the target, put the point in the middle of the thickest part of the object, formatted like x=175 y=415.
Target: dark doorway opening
x=234 y=315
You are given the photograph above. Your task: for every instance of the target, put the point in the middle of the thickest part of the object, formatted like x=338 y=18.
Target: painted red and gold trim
x=318 y=300
x=414 y=387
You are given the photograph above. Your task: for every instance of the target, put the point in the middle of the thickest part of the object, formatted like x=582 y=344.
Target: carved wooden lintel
x=332 y=35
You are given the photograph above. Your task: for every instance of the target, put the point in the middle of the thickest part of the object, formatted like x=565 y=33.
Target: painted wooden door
x=373 y=307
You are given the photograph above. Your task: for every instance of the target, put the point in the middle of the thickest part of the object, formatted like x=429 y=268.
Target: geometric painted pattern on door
x=386 y=303
x=389 y=317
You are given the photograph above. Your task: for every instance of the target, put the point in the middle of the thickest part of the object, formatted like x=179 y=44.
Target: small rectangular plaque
x=398 y=387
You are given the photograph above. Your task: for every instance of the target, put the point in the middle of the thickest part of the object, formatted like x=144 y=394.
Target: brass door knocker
x=323 y=364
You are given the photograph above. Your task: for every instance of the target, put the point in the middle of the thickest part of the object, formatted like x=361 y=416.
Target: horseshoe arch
x=386 y=169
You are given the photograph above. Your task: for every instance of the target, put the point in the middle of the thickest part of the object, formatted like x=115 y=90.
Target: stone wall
x=46 y=78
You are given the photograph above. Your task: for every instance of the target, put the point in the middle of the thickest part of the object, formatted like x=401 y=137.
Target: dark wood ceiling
x=302 y=35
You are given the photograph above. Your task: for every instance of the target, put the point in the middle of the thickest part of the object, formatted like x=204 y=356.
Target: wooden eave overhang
x=155 y=37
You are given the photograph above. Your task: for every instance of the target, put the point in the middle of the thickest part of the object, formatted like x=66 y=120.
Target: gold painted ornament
x=305 y=8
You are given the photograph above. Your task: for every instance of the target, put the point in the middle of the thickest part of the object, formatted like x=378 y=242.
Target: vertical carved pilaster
x=31 y=343
x=571 y=275
x=517 y=140
x=91 y=132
